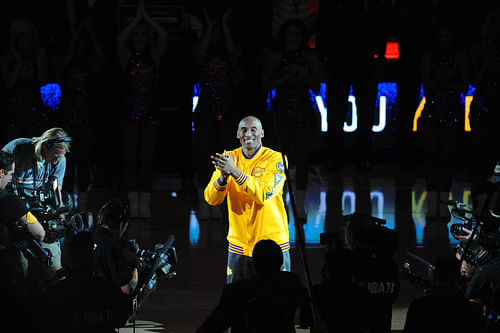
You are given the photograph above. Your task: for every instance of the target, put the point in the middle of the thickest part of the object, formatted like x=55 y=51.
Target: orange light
x=391 y=50
x=468 y=100
x=418 y=113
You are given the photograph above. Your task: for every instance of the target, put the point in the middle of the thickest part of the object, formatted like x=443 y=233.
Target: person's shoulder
x=271 y=153
x=15 y=206
x=273 y=158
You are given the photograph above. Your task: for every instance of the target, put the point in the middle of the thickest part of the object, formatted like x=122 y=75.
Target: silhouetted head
x=447 y=271
x=113 y=215
x=267 y=256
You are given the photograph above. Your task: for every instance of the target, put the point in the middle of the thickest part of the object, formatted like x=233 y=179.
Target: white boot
x=133 y=204
x=82 y=201
x=444 y=211
x=145 y=205
x=203 y=207
x=432 y=205
x=300 y=199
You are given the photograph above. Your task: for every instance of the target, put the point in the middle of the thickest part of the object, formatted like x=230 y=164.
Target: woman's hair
x=48 y=135
x=297 y=23
x=24 y=155
x=20 y=25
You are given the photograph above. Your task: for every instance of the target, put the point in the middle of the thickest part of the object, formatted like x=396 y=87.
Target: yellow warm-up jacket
x=255 y=200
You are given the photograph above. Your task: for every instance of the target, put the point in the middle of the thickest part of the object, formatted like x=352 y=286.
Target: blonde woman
x=41 y=162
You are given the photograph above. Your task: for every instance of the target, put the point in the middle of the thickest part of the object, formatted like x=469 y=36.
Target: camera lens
x=457 y=229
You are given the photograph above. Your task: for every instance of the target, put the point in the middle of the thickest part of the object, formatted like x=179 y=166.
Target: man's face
x=54 y=155
x=250 y=134
x=6 y=176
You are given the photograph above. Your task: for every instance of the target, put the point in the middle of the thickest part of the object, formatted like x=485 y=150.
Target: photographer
x=85 y=302
x=12 y=208
x=110 y=257
x=13 y=212
x=375 y=268
x=40 y=164
x=438 y=311
x=481 y=268
x=14 y=215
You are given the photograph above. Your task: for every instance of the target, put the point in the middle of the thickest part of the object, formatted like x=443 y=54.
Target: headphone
x=115 y=209
x=50 y=142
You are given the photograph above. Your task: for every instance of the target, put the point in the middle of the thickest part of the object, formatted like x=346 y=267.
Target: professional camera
x=420 y=277
x=77 y=222
x=41 y=202
x=474 y=232
x=370 y=230
x=45 y=205
x=152 y=265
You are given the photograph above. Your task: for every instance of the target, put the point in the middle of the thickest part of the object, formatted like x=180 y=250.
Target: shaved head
x=250 y=134
x=248 y=119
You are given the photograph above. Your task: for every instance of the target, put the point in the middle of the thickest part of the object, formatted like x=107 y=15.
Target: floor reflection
x=379 y=197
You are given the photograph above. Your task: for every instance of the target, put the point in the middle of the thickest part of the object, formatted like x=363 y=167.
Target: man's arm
x=33 y=226
x=262 y=187
x=130 y=287
x=216 y=190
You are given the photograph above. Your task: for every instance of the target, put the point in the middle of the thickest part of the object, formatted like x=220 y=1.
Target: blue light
x=51 y=95
x=194 y=229
x=390 y=91
x=269 y=95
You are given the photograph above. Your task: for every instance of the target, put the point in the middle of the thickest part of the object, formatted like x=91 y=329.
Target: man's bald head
x=248 y=119
x=250 y=134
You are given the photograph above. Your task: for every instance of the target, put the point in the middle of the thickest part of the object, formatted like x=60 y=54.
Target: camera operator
x=439 y=310
x=110 y=256
x=85 y=302
x=480 y=252
x=481 y=267
x=14 y=265
x=13 y=211
x=375 y=268
x=11 y=207
x=41 y=163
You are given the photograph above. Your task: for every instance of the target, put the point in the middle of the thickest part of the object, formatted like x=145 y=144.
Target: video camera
x=45 y=205
x=152 y=265
x=474 y=232
x=370 y=230
x=418 y=278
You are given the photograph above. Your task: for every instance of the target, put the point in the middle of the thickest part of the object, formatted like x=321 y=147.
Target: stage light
x=51 y=95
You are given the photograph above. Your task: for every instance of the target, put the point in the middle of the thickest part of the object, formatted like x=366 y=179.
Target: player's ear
x=262 y=133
